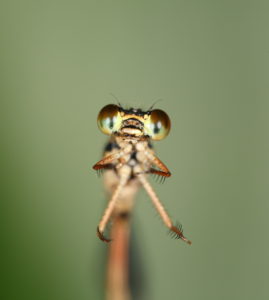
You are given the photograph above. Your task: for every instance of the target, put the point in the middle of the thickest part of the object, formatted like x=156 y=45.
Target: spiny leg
x=158 y=205
x=164 y=171
x=102 y=164
x=160 y=174
x=107 y=214
x=124 y=173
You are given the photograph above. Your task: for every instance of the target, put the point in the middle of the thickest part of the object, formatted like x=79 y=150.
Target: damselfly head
x=113 y=119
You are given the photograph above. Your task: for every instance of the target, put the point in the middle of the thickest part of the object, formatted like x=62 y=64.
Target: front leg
x=160 y=173
x=104 y=162
x=119 y=155
x=176 y=230
x=163 y=170
x=124 y=174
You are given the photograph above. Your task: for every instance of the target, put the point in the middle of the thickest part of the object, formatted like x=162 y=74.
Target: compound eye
x=159 y=124
x=109 y=119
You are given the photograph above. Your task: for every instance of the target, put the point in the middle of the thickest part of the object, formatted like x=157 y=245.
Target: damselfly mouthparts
x=128 y=159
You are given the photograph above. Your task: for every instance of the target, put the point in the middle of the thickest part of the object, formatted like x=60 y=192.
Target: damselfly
x=128 y=159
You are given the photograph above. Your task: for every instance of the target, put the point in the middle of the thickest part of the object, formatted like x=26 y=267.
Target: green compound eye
x=109 y=119
x=158 y=125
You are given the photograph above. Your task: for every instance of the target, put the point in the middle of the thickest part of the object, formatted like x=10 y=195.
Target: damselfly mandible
x=128 y=159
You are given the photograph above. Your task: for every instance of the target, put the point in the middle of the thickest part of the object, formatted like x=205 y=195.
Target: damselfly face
x=154 y=124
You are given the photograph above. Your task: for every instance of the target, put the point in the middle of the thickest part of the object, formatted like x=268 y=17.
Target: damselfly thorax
x=129 y=158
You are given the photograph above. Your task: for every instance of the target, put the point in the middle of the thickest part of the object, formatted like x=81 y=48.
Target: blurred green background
x=208 y=61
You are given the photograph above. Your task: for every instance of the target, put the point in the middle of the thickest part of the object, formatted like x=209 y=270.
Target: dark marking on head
x=132 y=123
x=134 y=111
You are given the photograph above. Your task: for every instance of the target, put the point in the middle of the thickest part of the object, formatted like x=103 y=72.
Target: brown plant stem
x=118 y=261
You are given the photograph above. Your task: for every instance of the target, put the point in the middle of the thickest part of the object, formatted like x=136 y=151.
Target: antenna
x=158 y=100
x=118 y=102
